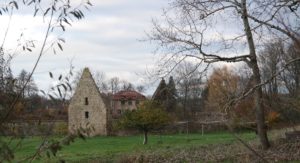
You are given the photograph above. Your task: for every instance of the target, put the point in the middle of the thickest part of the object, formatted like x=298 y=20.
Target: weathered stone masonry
x=87 y=108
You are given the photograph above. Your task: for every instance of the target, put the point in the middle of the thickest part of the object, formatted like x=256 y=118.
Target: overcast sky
x=106 y=40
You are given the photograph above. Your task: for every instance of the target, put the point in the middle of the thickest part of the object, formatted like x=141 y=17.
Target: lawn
x=110 y=148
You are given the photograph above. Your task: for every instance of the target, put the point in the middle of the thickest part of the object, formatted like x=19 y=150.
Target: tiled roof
x=128 y=95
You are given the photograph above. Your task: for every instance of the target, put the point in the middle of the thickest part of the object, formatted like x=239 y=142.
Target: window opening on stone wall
x=86 y=102
x=137 y=102
x=129 y=102
x=123 y=102
x=86 y=114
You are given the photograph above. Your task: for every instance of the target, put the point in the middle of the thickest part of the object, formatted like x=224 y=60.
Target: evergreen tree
x=166 y=95
x=161 y=93
x=171 y=95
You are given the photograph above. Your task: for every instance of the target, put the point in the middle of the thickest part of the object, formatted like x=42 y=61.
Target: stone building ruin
x=87 y=108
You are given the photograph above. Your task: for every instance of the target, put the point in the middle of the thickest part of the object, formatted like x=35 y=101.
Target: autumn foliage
x=222 y=87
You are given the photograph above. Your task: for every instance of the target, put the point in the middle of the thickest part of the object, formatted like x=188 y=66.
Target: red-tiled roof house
x=125 y=100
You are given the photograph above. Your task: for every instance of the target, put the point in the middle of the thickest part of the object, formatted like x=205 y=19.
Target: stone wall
x=35 y=128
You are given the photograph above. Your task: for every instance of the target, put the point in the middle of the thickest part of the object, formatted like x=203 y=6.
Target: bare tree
x=189 y=86
x=291 y=75
x=195 y=29
x=30 y=88
x=57 y=15
x=100 y=79
x=125 y=85
x=5 y=72
x=141 y=88
x=270 y=62
x=114 y=85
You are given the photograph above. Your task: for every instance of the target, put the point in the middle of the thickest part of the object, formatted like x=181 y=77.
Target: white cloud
x=106 y=40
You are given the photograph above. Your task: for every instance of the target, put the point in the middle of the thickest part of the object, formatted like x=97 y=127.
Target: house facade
x=125 y=100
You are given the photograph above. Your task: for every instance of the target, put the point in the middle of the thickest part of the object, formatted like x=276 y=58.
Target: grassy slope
x=110 y=147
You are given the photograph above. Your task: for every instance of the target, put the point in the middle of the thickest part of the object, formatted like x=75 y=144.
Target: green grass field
x=110 y=148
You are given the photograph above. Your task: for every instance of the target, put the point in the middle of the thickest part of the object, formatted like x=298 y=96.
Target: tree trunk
x=297 y=83
x=258 y=97
x=185 y=102
x=145 y=137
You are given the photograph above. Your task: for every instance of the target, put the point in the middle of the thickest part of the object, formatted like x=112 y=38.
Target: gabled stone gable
x=87 y=108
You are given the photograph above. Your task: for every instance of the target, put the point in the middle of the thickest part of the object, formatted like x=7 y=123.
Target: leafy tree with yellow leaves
x=222 y=87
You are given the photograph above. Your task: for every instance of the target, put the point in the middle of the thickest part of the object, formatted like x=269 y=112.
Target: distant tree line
x=198 y=91
x=228 y=31
x=109 y=86
x=19 y=96
x=32 y=105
